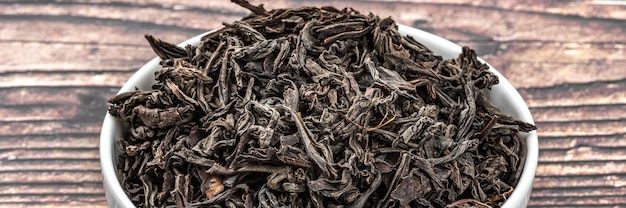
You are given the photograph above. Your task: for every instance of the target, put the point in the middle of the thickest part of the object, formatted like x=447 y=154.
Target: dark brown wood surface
x=61 y=60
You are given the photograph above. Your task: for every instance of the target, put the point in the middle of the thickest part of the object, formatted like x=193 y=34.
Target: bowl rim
x=111 y=131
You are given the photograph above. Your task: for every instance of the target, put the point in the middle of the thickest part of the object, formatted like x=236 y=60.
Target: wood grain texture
x=61 y=61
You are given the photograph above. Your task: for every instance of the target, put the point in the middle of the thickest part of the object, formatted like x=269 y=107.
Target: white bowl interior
x=503 y=95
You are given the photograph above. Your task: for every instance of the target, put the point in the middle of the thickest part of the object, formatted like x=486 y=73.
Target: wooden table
x=61 y=61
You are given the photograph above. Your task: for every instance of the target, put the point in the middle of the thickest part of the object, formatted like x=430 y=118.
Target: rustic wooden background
x=61 y=60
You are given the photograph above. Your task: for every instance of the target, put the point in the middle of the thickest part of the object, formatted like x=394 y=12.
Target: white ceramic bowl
x=503 y=95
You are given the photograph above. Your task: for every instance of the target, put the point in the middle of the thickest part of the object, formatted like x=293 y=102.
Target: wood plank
x=583 y=112
x=583 y=154
x=585 y=9
x=567 y=142
x=581 y=168
x=29 y=189
x=531 y=64
x=71 y=141
x=592 y=93
x=8 y=178
x=605 y=201
x=53 y=200
x=579 y=192
x=65 y=79
x=57 y=56
x=581 y=128
x=49 y=127
x=21 y=105
x=147 y=15
x=54 y=96
x=19 y=30
x=42 y=97
x=50 y=154
x=26 y=113
x=84 y=41
x=577 y=181
x=79 y=164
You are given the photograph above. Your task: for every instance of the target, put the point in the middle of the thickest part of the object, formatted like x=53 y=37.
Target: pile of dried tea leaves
x=316 y=107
